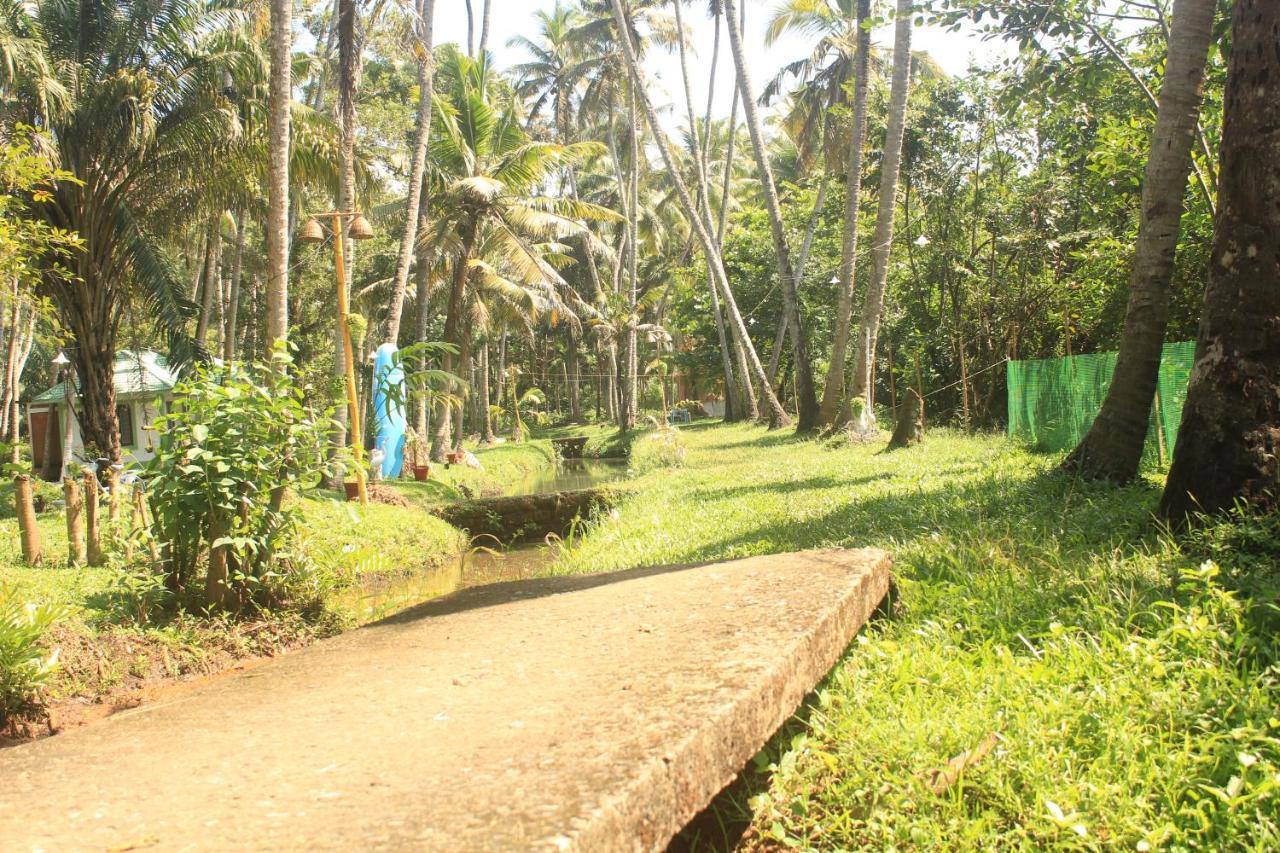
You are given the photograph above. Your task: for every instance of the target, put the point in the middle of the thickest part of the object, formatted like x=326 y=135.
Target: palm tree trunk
x=806 y=397
x=749 y=406
x=421 y=137
x=348 y=83
x=882 y=242
x=486 y=419
x=277 y=225
x=777 y=415
x=471 y=30
x=1226 y=448
x=212 y=265
x=802 y=261
x=834 y=401
x=732 y=407
x=1112 y=448
x=233 y=308
x=631 y=361
x=484 y=29
x=454 y=333
x=422 y=274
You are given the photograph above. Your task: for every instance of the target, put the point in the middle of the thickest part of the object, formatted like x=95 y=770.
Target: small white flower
x=1080 y=830
x=1247 y=760
x=1054 y=811
x=1143 y=846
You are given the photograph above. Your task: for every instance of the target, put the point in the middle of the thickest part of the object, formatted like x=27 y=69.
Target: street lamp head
x=61 y=358
x=360 y=228
x=311 y=232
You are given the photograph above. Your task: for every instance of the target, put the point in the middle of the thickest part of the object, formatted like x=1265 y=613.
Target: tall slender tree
x=1112 y=448
x=882 y=241
x=834 y=395
x=422 y=48
x=1228 y=446
x=778 y=415
x=806 y=396
x=277 y=226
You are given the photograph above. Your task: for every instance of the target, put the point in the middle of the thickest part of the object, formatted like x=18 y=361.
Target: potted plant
x=419 y=450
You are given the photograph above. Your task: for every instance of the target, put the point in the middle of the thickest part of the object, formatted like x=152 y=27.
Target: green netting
x=1053 y=401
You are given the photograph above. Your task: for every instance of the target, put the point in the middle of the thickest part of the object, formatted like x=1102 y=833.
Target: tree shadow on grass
x=825 y=481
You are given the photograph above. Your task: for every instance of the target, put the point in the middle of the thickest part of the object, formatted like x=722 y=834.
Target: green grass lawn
x=1130 y=691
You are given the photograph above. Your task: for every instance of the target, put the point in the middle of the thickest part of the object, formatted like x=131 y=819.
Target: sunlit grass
x=1128 y=689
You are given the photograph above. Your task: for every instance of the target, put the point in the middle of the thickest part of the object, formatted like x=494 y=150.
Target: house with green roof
x=144 y=386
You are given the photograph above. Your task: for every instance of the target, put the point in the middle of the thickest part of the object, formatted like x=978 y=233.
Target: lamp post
x=358 y=229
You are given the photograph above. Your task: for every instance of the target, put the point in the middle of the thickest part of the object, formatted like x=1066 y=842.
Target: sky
x=953 y=51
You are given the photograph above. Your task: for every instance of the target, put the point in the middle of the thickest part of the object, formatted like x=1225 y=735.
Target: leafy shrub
x=236 y=438
x=693 y=407
x=24 y=664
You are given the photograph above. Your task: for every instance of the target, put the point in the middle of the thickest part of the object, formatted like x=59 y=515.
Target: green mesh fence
x=1053 y=401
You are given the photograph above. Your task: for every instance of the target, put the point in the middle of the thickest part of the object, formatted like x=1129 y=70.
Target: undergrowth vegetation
x=1126 y=680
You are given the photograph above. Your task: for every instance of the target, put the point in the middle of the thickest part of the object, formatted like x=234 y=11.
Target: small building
x=144 y=386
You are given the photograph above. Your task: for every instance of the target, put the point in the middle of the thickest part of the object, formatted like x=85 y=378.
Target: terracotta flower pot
x=352 y=489
x=453 y=458
x=421 y=473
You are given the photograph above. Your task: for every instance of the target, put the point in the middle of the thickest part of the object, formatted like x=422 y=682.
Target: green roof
x=141 y=373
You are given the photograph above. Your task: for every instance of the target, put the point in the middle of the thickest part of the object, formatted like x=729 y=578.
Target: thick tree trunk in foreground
x=1112 y=449
x=834 y=399
x=806 y=396
x=277 y=225
x=909 y=429
x=882 y=242
x=1228 y=446
x=75 y=522
x=422 y=132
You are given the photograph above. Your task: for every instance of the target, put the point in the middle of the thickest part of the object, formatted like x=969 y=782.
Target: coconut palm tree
x=489 y=171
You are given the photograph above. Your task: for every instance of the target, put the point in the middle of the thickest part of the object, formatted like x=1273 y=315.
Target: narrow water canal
x=567 y=475
x=384 y=596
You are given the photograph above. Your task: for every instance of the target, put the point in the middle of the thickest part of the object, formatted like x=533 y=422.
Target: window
x=124 y=414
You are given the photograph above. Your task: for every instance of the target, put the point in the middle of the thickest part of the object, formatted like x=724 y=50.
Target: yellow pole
x=353 y=405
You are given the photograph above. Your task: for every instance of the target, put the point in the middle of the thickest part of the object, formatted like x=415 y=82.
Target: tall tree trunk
x=732 y=408
x=212 y=273
x=277 y=225
x=484 y=29
x=573 y=367
x=777 y=415
x=834 y=397
x=882 y=241
x=806 y=397
x=471 y=30
x=1112 y=448
x=233 y=309
x=802 y=261
x=749 y=406
x=486 y=419
x=631 y=361
x=422 y=296
x=421 y=136
x=456 y=334
x=348 y=84
x=95 y=364
x=1228 y=446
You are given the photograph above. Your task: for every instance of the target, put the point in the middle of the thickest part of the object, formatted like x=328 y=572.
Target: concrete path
x=587 y=713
